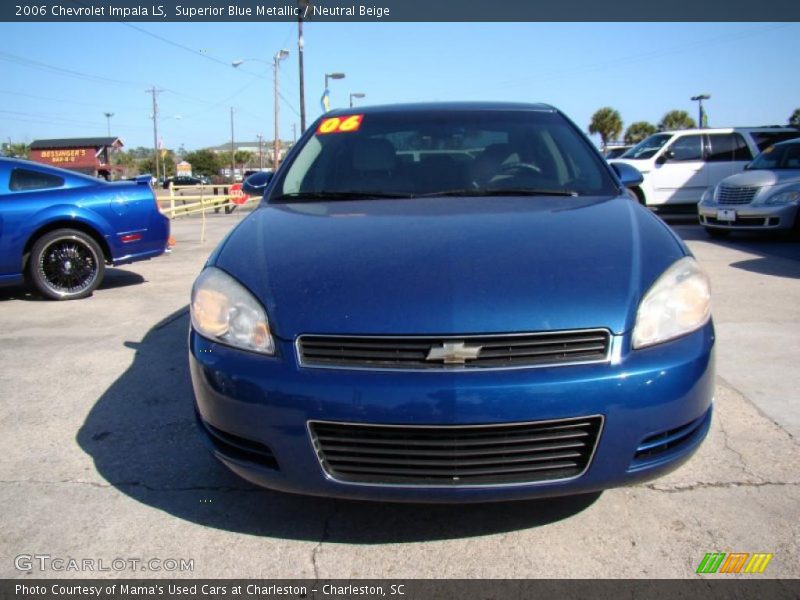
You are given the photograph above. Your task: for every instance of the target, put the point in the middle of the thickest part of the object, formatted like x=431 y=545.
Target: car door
x=22 y=193
x=679 y=175
x=726 y=154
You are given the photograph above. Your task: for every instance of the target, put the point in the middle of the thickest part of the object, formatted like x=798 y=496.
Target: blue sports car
x=450 y=303
x=60 y=228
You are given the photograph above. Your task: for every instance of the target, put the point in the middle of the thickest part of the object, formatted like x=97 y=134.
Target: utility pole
x=260 y=151
x=233 y=152
x=304 y=6
x=294 y=133
x=155 y=92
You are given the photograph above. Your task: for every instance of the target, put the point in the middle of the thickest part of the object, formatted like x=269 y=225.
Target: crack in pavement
x=727 y=443
x=675 y=489
x=323 y=538
x=725 y=383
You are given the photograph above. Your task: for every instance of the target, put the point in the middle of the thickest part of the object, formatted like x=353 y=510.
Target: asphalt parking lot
x=102 y=460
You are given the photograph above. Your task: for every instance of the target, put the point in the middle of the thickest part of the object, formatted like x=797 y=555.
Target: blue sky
x=642 y=70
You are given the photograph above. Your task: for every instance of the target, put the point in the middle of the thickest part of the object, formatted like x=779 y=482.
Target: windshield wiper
x=354 y=195
x=501 y=192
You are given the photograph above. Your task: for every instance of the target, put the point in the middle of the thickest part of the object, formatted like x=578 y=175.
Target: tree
x=794 y=120
x=242 y=158
x=639 y=130
x=676 y=119
x=18 y=150
x=166 y=161
x=204 y=162
x=607 y=123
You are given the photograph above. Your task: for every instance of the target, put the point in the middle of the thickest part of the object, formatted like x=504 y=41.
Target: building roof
x=90 y=142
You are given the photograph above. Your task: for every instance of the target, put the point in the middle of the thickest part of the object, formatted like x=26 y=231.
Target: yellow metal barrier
x=198 y=202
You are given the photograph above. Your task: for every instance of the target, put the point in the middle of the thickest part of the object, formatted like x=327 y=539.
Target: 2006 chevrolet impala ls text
x=450 y=303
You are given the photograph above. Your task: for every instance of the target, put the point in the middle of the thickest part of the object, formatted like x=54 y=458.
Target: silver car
x=764 y=197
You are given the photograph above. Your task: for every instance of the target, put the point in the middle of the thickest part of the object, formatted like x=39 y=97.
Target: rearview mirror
x=256 y=183
x=667 y=155
x=629 y=176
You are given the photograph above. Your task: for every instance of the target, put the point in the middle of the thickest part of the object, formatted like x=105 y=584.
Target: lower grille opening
x=456 y=455
x=655 y=445
x=239 y=448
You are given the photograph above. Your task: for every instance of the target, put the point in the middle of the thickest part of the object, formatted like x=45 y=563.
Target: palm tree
x=794 y=120
x=243 y=158
x=18 y=150
x=639 y=130
x=676 y=119
x=607 y=123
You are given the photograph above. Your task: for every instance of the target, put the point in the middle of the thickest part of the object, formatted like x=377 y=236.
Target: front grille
x=415 y=352
x=736 y=195
x=456 y=455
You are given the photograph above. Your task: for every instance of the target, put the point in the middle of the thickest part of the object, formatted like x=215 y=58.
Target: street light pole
x=701 y=116
x=279 y=56
x=108 y=122
x=326 y=91
x=233 y=152
x=355 y=95
x=260 y=151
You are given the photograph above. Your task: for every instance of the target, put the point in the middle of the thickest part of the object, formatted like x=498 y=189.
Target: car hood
x=449 y=265
x=763 y=177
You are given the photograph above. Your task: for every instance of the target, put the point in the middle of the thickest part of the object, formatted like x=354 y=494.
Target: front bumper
x=749 y=217
x=255 y=410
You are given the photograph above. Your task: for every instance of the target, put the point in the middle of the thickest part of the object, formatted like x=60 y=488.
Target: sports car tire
x=66 y=264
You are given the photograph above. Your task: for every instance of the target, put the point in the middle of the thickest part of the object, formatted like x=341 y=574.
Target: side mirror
x=256 y=183
x=629 y=176
x=665 y=156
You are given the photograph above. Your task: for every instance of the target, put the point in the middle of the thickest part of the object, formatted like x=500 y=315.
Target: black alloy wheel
x=66 y=264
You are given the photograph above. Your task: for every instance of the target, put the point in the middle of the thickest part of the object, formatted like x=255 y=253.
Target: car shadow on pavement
x=113 y=278
x=141 y=435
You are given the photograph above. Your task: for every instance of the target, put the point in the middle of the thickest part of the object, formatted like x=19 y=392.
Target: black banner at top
x=397 y=10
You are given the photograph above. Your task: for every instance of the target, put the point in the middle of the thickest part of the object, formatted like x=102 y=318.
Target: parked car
x=60 y=228
x=615 y=150
x=498 y=323
x=765 y=197
x=185 y=180
x=678 y=166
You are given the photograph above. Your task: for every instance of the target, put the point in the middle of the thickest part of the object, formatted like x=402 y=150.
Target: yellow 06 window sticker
x=340 y=124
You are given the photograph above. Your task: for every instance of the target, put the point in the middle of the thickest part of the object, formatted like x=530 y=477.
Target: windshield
x=648 y=147
x=449 y=153
x=782 y=156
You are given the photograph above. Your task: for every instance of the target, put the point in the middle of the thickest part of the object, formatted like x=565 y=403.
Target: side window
x=727 y=147
x=765 y=139
x=24 y=180
x=687 y=147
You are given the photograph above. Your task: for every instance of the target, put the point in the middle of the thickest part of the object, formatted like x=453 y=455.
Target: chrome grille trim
x=736 y=194
x=499 y=351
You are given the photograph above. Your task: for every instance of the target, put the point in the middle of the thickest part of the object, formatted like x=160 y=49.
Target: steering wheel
x=514 y=168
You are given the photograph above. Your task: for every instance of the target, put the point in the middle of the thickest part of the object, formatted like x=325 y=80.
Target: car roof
x=764 y=129
x=441 y=107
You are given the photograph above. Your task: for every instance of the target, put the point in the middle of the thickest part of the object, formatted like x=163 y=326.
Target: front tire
x=66 y=264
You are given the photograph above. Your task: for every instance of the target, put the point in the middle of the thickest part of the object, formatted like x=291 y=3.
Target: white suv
x=678 y=166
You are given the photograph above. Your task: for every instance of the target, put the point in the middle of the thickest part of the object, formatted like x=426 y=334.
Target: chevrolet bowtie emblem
x=453 y=353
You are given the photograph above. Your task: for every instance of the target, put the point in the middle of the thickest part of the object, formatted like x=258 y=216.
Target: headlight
x=710 y=195
x=678 y=302
x=783 y=198
x=224 y=311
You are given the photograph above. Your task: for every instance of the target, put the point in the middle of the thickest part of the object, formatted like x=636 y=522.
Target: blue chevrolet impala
x=450 y=303
x=59 y=228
